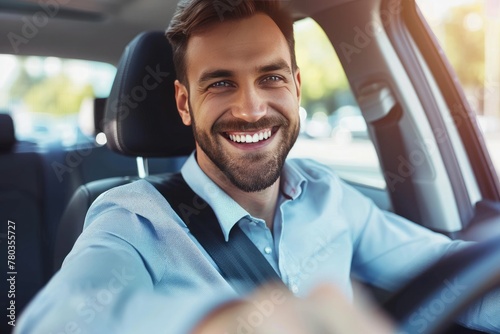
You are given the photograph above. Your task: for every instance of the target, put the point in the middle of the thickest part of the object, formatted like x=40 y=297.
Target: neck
x=260 y=204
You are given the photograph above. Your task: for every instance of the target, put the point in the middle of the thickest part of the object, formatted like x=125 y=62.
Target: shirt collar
x=293 y=182
x=227 y=211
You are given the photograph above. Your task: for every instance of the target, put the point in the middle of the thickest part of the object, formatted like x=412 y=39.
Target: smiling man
x=239 y=88
x=243 y=107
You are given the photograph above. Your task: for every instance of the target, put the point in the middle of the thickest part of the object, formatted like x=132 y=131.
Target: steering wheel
x=432 y=301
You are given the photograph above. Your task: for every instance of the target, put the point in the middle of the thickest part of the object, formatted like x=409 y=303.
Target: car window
x=333 y=130
x=44 y=95
x=469 y=31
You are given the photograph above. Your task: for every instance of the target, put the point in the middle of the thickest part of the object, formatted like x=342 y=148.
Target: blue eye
x=221 y=84
x=273 y=78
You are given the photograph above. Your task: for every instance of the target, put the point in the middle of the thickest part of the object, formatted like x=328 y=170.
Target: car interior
x=423 y=142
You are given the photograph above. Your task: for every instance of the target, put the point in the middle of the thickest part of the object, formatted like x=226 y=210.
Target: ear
x=182 y=101
x=298 y=84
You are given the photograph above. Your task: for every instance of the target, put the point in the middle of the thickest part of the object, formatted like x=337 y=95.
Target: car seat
x=22 y=233
x=140 y=120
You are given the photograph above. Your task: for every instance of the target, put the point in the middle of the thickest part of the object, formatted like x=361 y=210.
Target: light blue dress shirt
x=137 y=269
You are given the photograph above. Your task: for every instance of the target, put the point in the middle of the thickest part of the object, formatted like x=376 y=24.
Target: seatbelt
x=241 y=264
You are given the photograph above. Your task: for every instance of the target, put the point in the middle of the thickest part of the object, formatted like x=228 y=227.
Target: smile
x=245 y=137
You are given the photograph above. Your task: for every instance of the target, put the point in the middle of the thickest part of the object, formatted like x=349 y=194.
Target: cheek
x=284 y=102
x=205 y=115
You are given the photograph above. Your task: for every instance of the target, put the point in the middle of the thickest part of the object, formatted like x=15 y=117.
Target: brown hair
x=193 y=15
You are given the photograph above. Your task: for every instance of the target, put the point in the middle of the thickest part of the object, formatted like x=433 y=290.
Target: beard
x=249 y=171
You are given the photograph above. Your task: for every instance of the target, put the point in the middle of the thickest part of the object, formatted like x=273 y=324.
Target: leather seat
x=141 y=120
x=22 y=228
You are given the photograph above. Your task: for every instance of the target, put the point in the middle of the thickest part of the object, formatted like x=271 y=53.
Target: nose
x=249 y=105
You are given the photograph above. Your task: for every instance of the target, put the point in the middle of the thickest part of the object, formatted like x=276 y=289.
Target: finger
x=336 y=312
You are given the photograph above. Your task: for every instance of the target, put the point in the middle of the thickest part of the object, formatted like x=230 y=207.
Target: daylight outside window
x=45 y=95
x=331 y=119
x=469 y=33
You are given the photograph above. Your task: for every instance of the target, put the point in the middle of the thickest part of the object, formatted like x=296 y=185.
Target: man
x=137 y=269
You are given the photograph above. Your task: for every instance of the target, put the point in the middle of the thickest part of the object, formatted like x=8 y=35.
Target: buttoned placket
x=284 y=258
x=261 y=236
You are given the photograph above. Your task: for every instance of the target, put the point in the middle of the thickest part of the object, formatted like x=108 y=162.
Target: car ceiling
x=94 y=29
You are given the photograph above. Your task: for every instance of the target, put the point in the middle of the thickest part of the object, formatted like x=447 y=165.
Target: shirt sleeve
x=390 y=250
x=384 y=243
x=104 y=291
x=107 y=284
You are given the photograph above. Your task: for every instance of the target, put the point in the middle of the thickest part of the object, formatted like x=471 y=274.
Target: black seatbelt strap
x=241 y=264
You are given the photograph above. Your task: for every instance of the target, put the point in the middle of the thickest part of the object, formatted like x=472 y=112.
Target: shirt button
x=294 y=288
x=268 y=250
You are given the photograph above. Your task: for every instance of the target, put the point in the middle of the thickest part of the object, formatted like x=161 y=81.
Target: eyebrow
x=279 y=65
x=216 y=74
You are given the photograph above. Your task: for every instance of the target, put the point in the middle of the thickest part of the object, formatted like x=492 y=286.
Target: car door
x=458 y=84
x=436 y=166
x=439 y=168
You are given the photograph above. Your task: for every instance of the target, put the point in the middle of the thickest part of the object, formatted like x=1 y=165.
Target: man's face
x=243 y=100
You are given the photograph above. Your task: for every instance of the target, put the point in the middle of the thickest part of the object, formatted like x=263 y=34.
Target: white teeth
x=251 y=138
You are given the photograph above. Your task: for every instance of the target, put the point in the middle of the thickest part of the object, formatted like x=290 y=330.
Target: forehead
x=236 y=44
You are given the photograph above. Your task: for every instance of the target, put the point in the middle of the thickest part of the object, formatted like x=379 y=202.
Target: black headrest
x=141 y=117
x=7 y=135
x=91 y=116
x=99 y=107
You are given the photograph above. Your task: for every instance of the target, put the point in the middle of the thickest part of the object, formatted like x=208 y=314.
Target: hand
x=274 y=310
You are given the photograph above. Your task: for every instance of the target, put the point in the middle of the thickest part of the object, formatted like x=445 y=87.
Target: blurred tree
x=323 y=79
x=57 y=95
x=54 y=94
x=23 y=82
x=463 y=42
